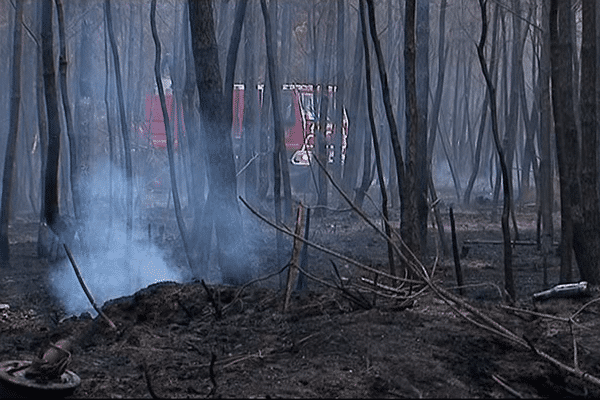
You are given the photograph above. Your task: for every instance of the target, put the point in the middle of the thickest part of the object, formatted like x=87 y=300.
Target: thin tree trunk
x=322 y=152
x=409 y=215
x=384 y=199
x=111 y=139
x=251 y=107
x=13 y=130
x=477 y=161
x=422 y=82
x=124 y=126
x=73 y=163
x=43 y=242
x=169 y=134
x=51 y=211
x=352 y=160
x=508 y=273
x=385 y=91
x=546 y=190
x=280 y=166
x=435 y=112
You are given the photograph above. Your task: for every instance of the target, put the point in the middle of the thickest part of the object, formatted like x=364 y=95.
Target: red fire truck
x=301 y=104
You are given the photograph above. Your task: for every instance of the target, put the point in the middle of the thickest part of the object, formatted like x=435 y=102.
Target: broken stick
x=84 y=287
x=293 y=266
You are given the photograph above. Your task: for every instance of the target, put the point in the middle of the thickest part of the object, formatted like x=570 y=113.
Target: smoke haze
x=100 y=250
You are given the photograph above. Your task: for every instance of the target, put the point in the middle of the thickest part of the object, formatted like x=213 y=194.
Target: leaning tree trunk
x=509 y=284
x=169 y=134
x=384 y=198
x=13 y=129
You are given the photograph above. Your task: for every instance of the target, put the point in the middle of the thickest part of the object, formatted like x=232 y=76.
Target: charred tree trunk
x=508 y=275
x=384 y=199
x=13 y=130
x=422 y=82
x=546 y=190
x=51 y=209
x=565 y=127
x=222 y=208
x=43 y=242
x=280 y=166
x=409 y=224
x=586 y=234
x=251 y=108
x=437 y=101
x=352 y=160
x=73 y=151
x=123 y=120
x=169 y=134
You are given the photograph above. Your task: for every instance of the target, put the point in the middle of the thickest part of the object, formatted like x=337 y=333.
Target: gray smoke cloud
x=101 y=253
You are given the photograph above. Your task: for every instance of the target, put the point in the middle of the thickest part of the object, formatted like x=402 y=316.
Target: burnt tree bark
x=51 y=209
x=73 y=151
x=509 y=284
x=221 y=209
x=561 y=49
x=546 y=190
x=169 y=134
x=382 y=186
x=587 y=237
x=123 y=120
x=13 y=130
x=409 y=224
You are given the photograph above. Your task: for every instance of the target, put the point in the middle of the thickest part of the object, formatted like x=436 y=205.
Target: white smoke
x=102 y=255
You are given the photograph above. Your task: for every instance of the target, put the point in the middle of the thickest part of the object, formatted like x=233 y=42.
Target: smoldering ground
x=108 y=267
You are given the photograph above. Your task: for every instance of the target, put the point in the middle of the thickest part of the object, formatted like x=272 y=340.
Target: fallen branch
x=455 y=302
x=506 y=387
x=85 y=288
x=317 y=246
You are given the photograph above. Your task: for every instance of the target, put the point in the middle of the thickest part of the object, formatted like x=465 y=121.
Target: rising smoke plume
x=100 y=249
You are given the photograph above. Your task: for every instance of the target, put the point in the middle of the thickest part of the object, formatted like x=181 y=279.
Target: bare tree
x=509 y=284
x=73 y=153
x=123 y=120
x=169 y=133
x=544 y=183
x=51 y=208
x=409 y=224
x=586 y=238
x=13 y=130
x=382 y=186
x=221 y=208
x=564 y=125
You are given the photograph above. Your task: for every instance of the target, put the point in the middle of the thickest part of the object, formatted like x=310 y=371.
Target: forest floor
x=169 y=339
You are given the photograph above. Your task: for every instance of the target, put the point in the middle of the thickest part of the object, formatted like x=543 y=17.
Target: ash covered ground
x=171 y=340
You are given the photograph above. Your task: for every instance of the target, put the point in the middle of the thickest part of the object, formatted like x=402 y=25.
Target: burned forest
x=299 y=198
